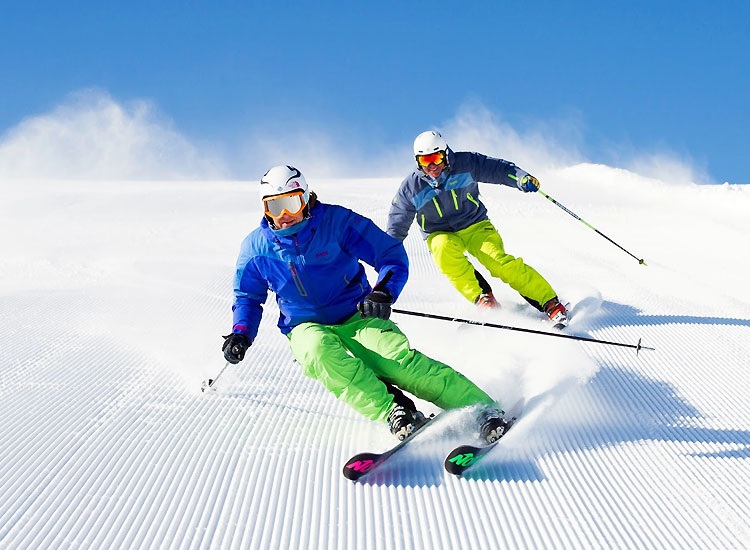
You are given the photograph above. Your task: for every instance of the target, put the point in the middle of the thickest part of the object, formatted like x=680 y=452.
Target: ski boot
x=492 y=425
x=486 y=301
x=556 y=312
x=403 y=422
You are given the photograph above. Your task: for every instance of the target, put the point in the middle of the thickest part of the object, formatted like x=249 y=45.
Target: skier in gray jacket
x=443 y=194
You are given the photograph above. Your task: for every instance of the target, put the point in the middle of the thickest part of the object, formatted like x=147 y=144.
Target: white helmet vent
x=429 y=142
x=283 y=179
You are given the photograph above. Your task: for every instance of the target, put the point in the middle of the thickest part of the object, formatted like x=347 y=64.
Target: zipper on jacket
x=455 y=201
x=437 y=206
x=297 y=280
x=295 y=273
x=472 y=199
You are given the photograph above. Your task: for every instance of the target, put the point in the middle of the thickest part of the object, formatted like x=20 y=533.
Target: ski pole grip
x=381 y=284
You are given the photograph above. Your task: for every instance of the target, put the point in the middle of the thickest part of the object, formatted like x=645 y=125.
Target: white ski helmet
x=283 y=179
x=430 y=142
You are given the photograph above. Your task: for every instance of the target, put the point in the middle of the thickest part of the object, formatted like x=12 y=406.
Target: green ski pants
x=482 y=241
x=353 y=358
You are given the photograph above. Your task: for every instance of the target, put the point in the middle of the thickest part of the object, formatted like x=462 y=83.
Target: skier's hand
x=376 y=304
x=528 y=183
x=235 y=346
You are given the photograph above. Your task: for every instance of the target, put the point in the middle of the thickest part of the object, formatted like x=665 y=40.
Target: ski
x=364 y=463
x=463 y=457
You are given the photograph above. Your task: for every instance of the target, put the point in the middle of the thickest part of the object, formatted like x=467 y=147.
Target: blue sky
x=617 y=80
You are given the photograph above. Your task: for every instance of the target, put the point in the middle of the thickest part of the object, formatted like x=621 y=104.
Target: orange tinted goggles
x=434 y=158
x=292 y=203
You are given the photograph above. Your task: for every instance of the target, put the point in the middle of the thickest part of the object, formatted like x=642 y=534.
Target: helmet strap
x=269 y=219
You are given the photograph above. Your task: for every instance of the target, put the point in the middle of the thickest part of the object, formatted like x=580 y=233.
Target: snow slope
x=114 y=296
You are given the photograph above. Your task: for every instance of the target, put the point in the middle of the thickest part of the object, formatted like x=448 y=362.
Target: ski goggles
x=292 y=203
x=433 y=158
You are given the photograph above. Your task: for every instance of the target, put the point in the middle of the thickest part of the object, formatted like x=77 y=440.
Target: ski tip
x=351 y=474
x=452 y=469
x=465 y=456
x=459 y=459
x=359 y=465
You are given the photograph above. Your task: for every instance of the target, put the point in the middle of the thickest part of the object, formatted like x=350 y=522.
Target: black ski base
x=364 y=463
x=464 y=457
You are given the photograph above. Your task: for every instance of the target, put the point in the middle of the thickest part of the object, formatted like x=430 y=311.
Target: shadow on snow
x=632 y=408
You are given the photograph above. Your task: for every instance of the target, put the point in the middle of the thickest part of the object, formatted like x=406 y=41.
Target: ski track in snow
x=114 y=296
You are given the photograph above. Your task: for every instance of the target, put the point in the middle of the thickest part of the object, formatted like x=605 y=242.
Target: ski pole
x=209 y=382
x=587 y=224
x=637 y=346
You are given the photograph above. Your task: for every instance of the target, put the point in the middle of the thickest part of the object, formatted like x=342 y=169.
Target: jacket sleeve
x=401 y=214
x=250 y=292
x=366 y=241
x=492 y=170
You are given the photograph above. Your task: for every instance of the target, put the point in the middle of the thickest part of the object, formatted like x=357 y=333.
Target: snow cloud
x=550 y=145
x=92 y=136
x=541 y=146
x=340 y=153
x=668 y=168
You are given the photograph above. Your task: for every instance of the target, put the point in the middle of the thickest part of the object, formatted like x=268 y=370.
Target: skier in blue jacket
x=443 y=194
x=308 y=253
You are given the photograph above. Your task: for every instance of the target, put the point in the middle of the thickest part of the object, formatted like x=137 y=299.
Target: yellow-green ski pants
x=482 y=241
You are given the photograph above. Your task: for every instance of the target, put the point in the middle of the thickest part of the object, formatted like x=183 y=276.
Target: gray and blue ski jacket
x=315 y=273
x=450 y=203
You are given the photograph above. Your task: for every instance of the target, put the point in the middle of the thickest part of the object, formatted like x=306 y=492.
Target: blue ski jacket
x=315 y=273
x=450 y=203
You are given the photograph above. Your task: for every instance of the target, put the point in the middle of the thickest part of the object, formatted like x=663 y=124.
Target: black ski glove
x=235 y=346
x=377 y=304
